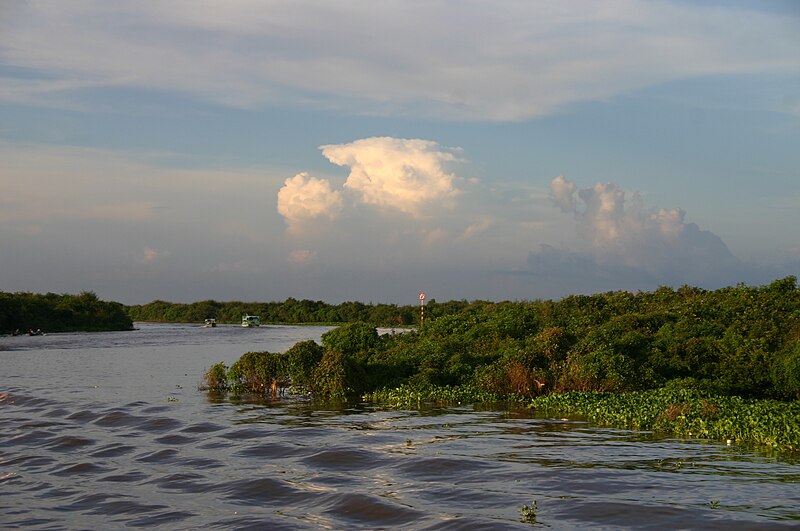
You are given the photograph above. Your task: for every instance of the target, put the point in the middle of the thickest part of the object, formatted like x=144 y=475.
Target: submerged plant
x=527 y=513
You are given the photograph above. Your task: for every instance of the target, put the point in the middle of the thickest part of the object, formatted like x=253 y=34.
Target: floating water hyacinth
x=687 y=412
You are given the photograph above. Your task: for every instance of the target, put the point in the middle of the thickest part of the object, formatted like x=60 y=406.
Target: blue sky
x=259 y=150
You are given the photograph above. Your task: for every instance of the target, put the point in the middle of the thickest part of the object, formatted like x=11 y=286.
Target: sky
x=369 y=151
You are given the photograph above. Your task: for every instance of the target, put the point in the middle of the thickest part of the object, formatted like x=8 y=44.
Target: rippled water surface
x=109 y=430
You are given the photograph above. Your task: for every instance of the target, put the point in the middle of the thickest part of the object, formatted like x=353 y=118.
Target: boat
x=249 y=321
x=210 y=323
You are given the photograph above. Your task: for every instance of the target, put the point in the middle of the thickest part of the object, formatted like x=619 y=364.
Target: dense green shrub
x=512 y=377
x=785 y=372
x=351 y=338
x=337 y=376
x=256 y=372
x=60 y=313
x=733 y=341
x=216 y=377
x=301 y=361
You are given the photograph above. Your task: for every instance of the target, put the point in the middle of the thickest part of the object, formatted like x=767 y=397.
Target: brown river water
x=110 y=431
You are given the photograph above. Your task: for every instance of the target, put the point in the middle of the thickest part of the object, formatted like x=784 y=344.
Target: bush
x=337 y=376
x=600 y=370
x=512 y=377
x=785 y=372
x=351 y=338
x=301 y=360
x=255 y=372
x=216 y=377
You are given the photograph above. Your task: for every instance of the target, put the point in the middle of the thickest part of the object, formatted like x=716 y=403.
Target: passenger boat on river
x=250 y=321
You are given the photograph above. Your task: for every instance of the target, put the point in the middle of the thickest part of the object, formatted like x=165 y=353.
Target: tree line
x=290 y=311
x=51 y=312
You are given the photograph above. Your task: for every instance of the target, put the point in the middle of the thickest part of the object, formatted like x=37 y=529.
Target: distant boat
x=249 y=321
x=210 y=323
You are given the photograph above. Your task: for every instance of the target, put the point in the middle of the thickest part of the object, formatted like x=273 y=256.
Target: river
x=110 y=431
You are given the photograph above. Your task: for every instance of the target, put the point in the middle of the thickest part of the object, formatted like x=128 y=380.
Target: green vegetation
x=527 y=513
x=321 y=370
x=291 y=311
x=60 y=313
x=688 y=413
x=728 y=347
x=416 y=396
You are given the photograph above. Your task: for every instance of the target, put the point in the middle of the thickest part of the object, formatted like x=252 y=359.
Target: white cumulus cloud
x=304 y=198
x=407 y=175
x=563 y=193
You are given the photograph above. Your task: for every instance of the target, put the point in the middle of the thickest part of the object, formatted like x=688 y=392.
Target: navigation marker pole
x=421 y=309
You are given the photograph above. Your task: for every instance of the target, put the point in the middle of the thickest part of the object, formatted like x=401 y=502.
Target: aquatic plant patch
x=686 y=413
x=410 y=396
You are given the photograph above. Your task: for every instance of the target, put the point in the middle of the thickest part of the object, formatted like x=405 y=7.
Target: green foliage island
x=21 y=312
x=721 y=364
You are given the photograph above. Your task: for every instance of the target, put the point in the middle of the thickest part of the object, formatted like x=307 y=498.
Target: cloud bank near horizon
x=630 y=244
x=472 y=250
x=304 y=54
x=622 y=243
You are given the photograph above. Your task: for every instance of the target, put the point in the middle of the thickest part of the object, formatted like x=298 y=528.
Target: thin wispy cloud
x=475 y=229
x=515 y=61
x=151 y=255
x=302 y=256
